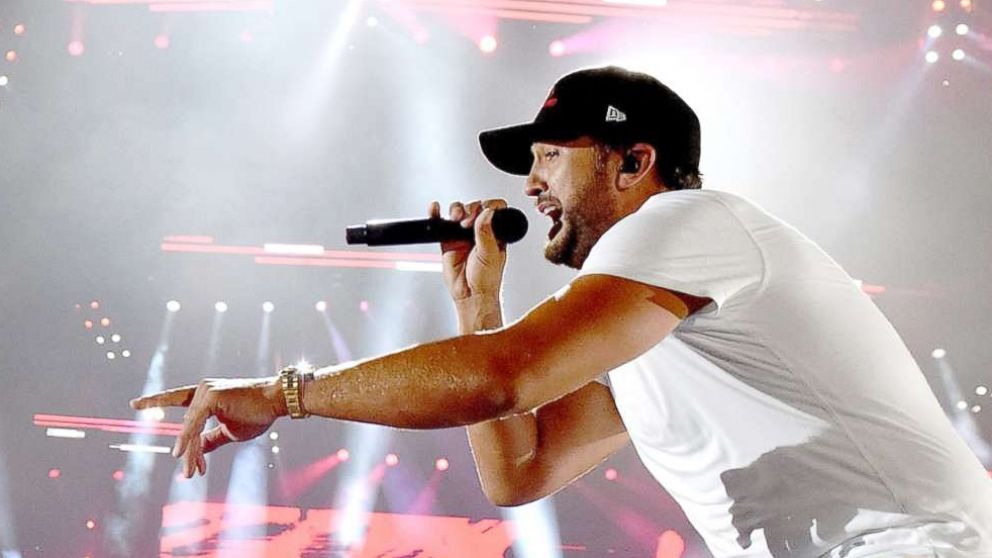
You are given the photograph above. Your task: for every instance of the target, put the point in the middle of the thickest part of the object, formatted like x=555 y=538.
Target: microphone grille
x=509 y=224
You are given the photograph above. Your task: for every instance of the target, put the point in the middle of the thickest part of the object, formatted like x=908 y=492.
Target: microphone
x=509 y=225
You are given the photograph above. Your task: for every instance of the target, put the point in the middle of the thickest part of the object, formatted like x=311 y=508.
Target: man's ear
x=636 y=165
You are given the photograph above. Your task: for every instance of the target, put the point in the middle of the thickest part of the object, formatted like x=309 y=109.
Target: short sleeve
x=682 y=241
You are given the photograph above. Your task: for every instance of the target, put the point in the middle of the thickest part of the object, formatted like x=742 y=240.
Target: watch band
x=293 y=380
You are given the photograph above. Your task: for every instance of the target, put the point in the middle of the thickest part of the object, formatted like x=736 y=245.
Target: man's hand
x=244 y=408
x=473 y=270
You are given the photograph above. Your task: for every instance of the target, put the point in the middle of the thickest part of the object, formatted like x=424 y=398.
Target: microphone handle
x=388 y=232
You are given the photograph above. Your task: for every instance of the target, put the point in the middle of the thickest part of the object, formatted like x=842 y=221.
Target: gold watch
x=292 y=380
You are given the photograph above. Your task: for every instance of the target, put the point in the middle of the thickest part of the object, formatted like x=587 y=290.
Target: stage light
x=95 y=305
x=442 y=464
x=610 y=474
x=343 y=454
x=556 y=48
x=976 y=409
x=140 y=448
x=100 y=340
x=111 y=355
x=173 y=306
x=268 y=307
x=958 y=54
x=363 y=306
x=115 y=338
x=961 y=29
x=65 y=433
x=946 y=83
x=962 y=405
x=938 y=353
x=4 y=80
x=90 y=524
x=321 y=306
x=966 y=4
x=11 y=56
x=934 y=31
x=105 y=322
x=392 y=459
x=126 y=353
x=88 y=324
x=162 y=42
x=19 y=29
x=981 y=390
x=488 y=44
x=275 y=449
x=118 y=475
x=938 y=5
x=371 y=21
x=273 y=435
x=54 y=473
x=76 y=48
x=932 y=56
x=220 y=306
x=670 y=545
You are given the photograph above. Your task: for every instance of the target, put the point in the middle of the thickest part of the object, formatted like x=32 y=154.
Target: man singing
x=758 y=384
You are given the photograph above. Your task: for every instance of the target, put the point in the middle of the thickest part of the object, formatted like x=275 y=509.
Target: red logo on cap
x=552 y=101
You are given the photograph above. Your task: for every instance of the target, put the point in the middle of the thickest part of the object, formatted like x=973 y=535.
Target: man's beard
x=578 y=234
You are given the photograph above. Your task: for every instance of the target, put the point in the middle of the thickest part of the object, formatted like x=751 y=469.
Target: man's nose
x=534 y=185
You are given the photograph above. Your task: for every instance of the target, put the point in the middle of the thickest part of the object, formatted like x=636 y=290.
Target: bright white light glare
x=140 y=448
x=343 y=454
x=273 y=435
x=111 y=355
x=557 y=48
x=116 y=338
x=65 y=433
x=372 y=21
x=430 y=267
x=932 y=56
x=976 y=409
x=488 y=44
x=154 y=414
x=268 y=307
x=303 y=364
x=220 y=306
x=934 y=31
x=938 y=353
x=320 y=306
x=4 y=80
x=392 y=459
x=100 y=340
x=126 y=353
x=275 y=449
x=958 y=54
x=962 y=405
x=981 y=390
x=173 y=306
x=294 y=249
x=961 y=29
x=442 y=464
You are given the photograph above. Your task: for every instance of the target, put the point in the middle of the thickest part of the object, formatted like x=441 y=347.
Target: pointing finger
x=177 y=397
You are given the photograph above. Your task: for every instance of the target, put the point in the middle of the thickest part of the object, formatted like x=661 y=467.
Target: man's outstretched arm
x=592 y=326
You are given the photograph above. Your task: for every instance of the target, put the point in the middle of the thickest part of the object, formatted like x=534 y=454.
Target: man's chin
x=560 y=250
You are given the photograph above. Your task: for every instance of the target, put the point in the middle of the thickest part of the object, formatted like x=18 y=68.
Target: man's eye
x=548 y=155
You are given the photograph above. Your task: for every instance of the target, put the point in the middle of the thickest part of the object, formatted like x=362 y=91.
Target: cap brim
x=508 y=149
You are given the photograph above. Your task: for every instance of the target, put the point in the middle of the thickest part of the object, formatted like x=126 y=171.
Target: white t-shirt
x=787 y=417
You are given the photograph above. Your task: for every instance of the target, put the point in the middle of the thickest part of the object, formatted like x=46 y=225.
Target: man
x=760 y=387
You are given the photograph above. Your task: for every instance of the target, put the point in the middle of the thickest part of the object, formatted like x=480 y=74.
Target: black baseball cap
x=611 y=104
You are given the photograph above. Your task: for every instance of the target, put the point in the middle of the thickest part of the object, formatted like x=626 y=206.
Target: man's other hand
x=244 y=408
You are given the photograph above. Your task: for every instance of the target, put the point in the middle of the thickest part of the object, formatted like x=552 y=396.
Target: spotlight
x=95 y=305
x=90 y=524
x=111 y=355
x=321 y=306
x=610 y=474
x=966 y=4
x=441 y=464
x=88 y=324
x=268 y=307
x=958 y=54
x=115 y=338
x=54 y=473
x=932 y=56
x=118 y=475
x=100 y=340
x=392 y=459
x=961 y=29
x=934 y=31
x=556 y=48
x=273 y=435
x=173 y=306
x=938 y=353
x=126 y=353
x=938 y=5
x=19 y=29
x=343 y=454
x=4 y=80
x=303 y=364
x=105 y=322
x=275 y=449
x=162 y=42
x=76 y=48
x=981 y=390
x=962 y=405
x=11 y=56
x=488 y=44
x=363 y=306
x=220 y=306
x=976 y=409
